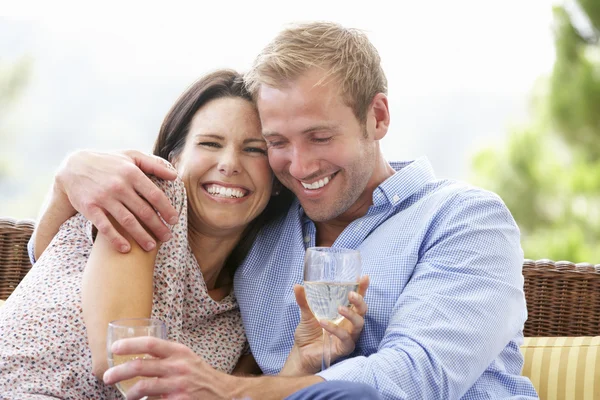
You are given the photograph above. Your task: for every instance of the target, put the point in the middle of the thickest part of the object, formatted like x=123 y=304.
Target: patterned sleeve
x=174 y=190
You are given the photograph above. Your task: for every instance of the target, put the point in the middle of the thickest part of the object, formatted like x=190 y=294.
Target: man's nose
x=302 y=165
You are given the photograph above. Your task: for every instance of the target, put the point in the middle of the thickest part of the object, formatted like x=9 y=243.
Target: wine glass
x=129 y=328
x=330 y=274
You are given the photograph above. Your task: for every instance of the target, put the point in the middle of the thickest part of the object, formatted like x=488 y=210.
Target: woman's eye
x=255 y=150
x=211 y=144
x=322 y=140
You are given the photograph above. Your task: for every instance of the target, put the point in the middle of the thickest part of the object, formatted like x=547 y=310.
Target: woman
x=53 y=327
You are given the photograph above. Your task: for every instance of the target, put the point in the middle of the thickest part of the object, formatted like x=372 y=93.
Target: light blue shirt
x=446 y=302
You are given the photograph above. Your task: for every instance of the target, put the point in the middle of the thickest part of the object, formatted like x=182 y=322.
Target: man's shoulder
x=450 y=192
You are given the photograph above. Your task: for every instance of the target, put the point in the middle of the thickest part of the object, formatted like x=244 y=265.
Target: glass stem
x=326 y=363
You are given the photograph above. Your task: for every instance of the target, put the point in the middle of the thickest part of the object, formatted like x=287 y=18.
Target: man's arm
x=462 y=306
x=99 y=185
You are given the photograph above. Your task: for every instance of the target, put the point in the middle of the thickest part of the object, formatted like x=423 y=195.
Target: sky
x=103 y=76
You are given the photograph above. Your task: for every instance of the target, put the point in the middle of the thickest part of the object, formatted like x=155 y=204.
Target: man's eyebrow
x=268 y=134
x=317 y=128
x=311 y=129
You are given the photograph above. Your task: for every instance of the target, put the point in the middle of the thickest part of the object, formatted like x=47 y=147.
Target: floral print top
x=43 y=344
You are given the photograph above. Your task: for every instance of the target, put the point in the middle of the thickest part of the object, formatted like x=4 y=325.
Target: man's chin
x=318 y=214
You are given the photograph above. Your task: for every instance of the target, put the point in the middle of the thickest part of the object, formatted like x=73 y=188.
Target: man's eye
x=274 y=144
x=211 y=144
x=255 y=150
x=322 y=140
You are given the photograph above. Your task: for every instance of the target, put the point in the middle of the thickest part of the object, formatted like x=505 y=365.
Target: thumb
x=302 y=302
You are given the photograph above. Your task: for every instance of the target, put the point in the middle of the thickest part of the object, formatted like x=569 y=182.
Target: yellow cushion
x=1 y=303
x=563 y=367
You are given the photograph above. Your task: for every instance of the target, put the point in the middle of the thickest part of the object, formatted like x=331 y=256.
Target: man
x=446 y=306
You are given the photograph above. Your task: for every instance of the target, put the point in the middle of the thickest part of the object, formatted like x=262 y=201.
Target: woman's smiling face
x=224 y=166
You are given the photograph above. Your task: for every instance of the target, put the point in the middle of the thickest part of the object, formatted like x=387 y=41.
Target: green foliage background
x=548 y=172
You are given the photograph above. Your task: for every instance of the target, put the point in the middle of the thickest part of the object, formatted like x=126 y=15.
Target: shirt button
x=306 y=239
x=396 y=198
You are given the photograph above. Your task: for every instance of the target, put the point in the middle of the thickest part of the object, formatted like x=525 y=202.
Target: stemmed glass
x=330 y=274
x=129 y=328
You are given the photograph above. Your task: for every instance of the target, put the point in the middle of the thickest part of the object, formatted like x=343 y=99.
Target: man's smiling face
x=317 y=147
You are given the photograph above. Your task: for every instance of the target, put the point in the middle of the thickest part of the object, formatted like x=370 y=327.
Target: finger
x=146 y=214
x=358 y=302
x=155 y=347
x=152 y=164
x=140 y=367
x=152 y=387
x=158 y=200
x=131 y=225
x=363 y=285
x=339 y=332
x=107 y=230
x=300 y=294
x=354 y=321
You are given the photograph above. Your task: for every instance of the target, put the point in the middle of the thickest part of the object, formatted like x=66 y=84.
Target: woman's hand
x=306 y=355
x=175 y=371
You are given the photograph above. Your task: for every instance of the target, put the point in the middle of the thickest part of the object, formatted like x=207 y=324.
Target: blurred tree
x=13 y=78
x=548 y=173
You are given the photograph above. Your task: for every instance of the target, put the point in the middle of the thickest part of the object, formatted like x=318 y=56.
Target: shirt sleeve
x=462 y=306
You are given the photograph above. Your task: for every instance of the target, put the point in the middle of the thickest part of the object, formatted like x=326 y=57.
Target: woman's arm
x=115 y=286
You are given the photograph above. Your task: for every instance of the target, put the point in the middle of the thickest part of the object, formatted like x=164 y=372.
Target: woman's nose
x=229 y=165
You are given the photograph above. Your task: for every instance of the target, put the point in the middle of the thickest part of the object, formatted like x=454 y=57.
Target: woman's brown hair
x=173 y=133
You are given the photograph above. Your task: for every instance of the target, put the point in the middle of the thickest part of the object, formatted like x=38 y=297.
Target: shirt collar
x=409 y=178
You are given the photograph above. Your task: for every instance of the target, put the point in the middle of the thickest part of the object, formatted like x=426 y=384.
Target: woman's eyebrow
x=210 y=136
x=252 y=140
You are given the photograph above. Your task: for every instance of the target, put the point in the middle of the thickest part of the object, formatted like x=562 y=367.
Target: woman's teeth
x=318 y=184
x=221 y=191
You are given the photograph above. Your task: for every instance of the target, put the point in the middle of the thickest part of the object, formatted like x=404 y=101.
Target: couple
x=446 y=306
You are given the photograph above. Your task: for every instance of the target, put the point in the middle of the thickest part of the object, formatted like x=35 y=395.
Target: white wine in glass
x=330 y=274
x=129 y=328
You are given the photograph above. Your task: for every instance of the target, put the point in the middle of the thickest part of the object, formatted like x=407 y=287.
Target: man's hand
x=175 y=372
x=306 y=355
x=101 y=184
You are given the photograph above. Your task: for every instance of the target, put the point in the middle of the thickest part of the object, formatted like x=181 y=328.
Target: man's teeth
x=221 y=191
x=316 y=185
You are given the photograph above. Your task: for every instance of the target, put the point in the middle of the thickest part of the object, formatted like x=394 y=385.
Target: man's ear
x=379 y=109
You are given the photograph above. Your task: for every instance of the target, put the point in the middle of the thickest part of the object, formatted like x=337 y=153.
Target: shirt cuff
x=343 y=371
x=30 y=251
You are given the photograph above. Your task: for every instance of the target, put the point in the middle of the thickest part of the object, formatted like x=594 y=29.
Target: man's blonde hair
x=346 y=55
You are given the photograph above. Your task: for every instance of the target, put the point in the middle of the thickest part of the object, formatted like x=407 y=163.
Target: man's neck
x=329 y=231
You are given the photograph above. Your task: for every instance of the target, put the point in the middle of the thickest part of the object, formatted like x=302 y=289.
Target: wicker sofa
x=562 y=333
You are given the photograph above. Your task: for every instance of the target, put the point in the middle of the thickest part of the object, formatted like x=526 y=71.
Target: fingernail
x=324 y=323
x=124 y=248
x=173 y=220
x=166 y=237
x=353 y=295
x=150 y=246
